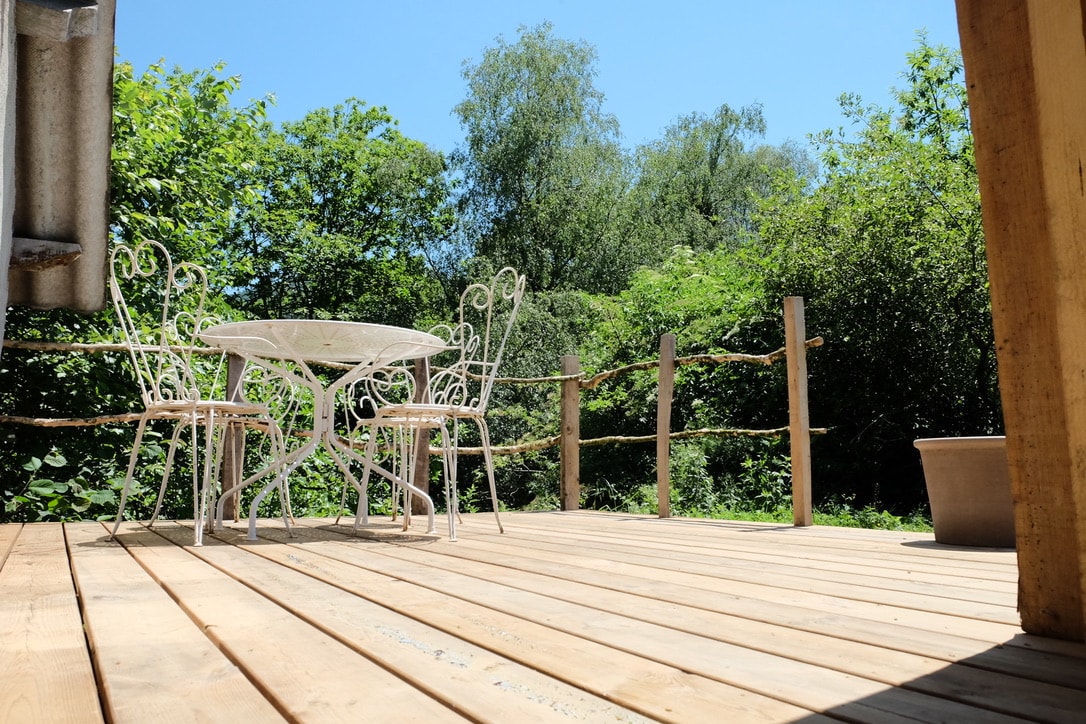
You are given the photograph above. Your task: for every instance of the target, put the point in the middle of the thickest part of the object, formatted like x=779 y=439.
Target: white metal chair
x=458 y=389
x=390 y=442
x=176 y=383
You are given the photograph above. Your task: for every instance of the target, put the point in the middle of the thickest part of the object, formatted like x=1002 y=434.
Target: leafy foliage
x=181 y=158
x=889 y=253
x=699 y=185
x=699 y=234
x=543 y=168
x=348 y=206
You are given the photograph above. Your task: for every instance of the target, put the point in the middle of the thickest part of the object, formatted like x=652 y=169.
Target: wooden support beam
x=59 y=20
x=233 y=456
x=1025 y=67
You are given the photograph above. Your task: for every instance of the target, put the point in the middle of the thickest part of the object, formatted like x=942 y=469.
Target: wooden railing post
x=799 y=426
x=420 y=474
x=233 y=456
x=665 y=392
x=569 y=445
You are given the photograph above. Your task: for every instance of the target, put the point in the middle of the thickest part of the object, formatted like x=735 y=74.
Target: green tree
x=700 y=184
x=349 y=209
x=889 y=254
x=181 y=159
x=543 y=167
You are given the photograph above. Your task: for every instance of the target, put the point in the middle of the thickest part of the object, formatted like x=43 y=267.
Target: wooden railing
x=572 y=381
x=799 y=431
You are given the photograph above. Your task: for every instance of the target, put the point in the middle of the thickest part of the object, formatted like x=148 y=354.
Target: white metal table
x=279 y=344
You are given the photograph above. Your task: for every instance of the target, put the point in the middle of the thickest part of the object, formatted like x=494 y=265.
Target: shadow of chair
x=458 y=390
x=161 y=308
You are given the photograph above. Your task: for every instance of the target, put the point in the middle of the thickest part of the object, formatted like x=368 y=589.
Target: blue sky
x=657 y=60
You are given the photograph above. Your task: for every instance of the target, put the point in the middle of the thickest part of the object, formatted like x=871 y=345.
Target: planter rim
x=980 y=440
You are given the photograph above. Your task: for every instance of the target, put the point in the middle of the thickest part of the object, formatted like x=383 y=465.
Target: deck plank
x=141 y=640
x=45 y=670
x=478 y=683
x=908 y=550
x=659 y=691
x=851 y=581
x=567 y=616
x=749 y=648
x=704 y=591
x=309 y=675
x=811 y=557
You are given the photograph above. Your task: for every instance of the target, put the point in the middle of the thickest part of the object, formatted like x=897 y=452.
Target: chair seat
x=220 y=407
x=425 y=413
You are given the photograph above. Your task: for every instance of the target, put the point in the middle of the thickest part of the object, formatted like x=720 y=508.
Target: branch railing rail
x=572 y=381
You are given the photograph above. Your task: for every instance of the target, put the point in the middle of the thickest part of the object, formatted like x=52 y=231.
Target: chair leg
x=362 y=513
x=342 y=502
x=452 y=475
x=395 y=491
x=170 y=453
x=484 y=436
x=448 y=473
x=197 y=487
x=403 y=466
x=132 y=458
x=279 y=447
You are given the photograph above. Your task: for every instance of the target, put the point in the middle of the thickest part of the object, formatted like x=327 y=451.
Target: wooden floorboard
x=154 y=664
x=577 y=616
x=45 y=669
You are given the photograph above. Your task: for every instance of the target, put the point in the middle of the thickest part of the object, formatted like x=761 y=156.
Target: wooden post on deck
x=664 y=394
x=569 y=444
x=799 y=425
x=1025 y=70
x=233 y=455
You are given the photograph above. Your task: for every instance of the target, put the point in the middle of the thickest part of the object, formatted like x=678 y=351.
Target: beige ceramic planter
x=969 y=489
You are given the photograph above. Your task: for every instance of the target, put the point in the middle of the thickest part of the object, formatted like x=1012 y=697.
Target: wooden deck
x=567 y=617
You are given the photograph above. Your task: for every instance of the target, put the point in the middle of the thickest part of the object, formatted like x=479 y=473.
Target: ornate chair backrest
x=161 y=308
x=487 y=313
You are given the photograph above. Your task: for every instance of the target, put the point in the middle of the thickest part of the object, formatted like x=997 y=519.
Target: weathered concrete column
x=7 y=147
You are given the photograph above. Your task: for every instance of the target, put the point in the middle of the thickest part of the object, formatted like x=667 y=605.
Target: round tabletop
x=322 y=340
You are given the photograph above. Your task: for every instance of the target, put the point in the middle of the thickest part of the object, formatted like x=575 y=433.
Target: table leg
x=334 y=448
x=233 y=460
